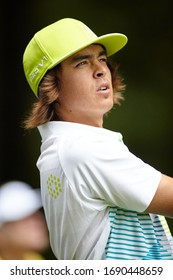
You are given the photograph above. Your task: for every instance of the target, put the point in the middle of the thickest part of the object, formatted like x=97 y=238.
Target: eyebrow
x=79 y=57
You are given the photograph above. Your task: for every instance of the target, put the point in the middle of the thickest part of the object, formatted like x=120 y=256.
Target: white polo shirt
x=85 y=171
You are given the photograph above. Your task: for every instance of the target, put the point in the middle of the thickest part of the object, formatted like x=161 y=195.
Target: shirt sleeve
x=111 y=173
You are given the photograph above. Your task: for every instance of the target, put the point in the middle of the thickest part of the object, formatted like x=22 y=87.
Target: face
x=86 y=92
x=29 y=233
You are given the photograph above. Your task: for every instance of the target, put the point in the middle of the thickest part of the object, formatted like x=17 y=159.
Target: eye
x=103 y=59
x=81 y=63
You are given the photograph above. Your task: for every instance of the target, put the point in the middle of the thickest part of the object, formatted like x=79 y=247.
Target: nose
x=99 y=71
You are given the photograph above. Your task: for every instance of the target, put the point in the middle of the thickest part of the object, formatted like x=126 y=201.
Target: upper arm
x=162 y=202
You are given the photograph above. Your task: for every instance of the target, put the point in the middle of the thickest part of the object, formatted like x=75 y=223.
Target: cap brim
x=112 y=42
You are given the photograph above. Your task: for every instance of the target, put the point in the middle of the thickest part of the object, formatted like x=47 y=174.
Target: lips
x=103 y=88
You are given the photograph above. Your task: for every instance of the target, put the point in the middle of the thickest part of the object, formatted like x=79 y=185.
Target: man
x=97 y=196
x=23 y=230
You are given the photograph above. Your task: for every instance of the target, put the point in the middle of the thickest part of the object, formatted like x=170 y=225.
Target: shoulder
x=91 y=144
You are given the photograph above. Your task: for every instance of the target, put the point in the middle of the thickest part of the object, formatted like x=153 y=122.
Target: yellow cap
x=56 y=42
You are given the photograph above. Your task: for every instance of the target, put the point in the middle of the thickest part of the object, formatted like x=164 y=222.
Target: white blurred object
x=18 y=200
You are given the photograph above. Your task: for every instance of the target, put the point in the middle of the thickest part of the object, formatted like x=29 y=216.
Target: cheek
x=76 y=89
x=72 y=89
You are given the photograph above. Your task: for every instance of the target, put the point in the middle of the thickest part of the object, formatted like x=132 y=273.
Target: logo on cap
x=36 y=70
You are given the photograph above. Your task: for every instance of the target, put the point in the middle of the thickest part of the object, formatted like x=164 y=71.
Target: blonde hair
x=45 y=109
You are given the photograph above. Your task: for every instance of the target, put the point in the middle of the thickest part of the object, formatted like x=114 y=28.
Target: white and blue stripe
x=138 y=236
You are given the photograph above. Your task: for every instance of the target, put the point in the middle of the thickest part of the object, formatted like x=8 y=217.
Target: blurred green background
x=146 y=63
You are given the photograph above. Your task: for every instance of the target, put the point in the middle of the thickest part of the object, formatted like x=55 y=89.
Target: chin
x=109 y=106
x=108 y=110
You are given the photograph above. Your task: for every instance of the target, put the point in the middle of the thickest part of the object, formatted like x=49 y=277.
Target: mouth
x=104 y=88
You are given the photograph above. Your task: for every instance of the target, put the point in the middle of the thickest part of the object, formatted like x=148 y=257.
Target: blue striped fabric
x=138 y=236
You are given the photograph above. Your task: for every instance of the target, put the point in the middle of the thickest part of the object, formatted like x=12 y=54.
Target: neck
x=87 y=120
